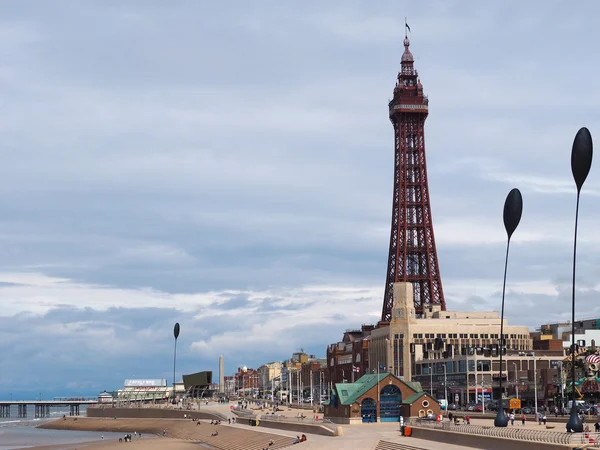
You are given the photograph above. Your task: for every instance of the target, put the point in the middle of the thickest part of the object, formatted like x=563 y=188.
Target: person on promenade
x=544 y=419
x=523 y=418
x=468 y=420
x=512 y=419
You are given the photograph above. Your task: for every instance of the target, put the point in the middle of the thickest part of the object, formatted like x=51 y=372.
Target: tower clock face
x=399 y=313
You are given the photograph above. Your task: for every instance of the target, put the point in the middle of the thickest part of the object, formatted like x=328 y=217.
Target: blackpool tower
x=412 y=255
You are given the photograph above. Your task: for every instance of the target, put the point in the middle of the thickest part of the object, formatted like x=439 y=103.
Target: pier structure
x=42 y=407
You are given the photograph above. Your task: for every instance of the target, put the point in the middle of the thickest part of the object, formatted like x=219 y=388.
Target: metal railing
x=523 y=434
x=242 y=412
x=295 y=419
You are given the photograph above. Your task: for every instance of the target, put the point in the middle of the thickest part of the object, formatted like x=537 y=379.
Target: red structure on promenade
x=412 y=254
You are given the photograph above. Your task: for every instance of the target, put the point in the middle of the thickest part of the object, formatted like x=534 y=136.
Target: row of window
x=465 y=336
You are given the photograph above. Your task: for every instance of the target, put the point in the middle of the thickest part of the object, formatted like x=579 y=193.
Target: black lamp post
x=176 y=334
x=513 y=207
x=581 y=162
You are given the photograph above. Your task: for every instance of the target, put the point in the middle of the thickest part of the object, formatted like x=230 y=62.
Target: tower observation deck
x=412 y=254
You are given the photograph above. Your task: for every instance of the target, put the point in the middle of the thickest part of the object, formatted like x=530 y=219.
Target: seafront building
x=379 y=397
x=407 y=339
x=270 y=376
x=587 y=332
x=304 y=376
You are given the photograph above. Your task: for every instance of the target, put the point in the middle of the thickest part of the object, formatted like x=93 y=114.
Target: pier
x=42 y=407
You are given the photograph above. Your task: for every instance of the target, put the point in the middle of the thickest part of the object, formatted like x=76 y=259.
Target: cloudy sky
x=228 y=165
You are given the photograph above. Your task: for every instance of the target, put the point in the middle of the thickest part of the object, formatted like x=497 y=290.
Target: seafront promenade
x=183 y=434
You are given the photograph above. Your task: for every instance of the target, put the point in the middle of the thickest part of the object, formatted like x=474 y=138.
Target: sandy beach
x=168 y=434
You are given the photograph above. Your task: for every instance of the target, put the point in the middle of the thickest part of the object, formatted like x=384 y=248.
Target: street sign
x=487 y=396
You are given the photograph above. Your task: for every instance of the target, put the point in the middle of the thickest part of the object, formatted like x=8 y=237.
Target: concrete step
x=386 y=445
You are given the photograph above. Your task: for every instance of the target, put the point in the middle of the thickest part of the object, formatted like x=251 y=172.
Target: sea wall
x=152 y=413
x=478 y=441
x=296 y=427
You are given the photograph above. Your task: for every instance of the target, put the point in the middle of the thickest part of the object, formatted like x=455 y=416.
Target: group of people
x=299 y=439
x=127 y=437
x=454 y=418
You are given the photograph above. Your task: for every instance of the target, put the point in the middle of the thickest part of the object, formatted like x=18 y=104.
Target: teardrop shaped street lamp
x=176 y=334
x=581 y=162
x=513 y=208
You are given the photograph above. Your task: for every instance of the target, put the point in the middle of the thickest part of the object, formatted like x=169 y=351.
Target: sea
x=17 y=432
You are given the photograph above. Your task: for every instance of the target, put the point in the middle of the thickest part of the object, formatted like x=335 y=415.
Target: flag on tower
x=406 y=25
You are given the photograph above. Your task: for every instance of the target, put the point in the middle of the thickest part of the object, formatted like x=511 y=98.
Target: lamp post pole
x=535 y=386
x=482 y=398
x=513 y=208
x=581 y=163
x=431 y=379
x=516 y=383
x=445 y=388
x=562 y=388
x=311 y=387
x=176 y=330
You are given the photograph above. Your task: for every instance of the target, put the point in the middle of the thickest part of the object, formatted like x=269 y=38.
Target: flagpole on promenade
x=378 y=404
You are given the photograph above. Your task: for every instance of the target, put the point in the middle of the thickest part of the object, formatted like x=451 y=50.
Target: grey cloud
x=238 y=301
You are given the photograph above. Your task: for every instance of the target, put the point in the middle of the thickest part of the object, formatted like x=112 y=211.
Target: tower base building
x=407 y=339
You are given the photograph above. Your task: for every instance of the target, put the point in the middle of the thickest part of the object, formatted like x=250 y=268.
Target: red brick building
x=348 y=360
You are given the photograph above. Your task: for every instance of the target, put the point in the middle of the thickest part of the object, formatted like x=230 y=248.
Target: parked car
x=478 y=408
x=470 y=407
x=452 y=407
x=527 y=410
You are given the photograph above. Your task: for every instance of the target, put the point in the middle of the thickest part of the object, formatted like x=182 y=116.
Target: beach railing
x=518 y=433
x=295 y=419
x=242 y=412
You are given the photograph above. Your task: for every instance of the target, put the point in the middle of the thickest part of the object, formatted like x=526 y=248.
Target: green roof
x=413 y=398
x=348 y=393
x=414 y=385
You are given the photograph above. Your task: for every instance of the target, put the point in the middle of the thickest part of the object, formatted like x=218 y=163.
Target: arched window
x=368 y=410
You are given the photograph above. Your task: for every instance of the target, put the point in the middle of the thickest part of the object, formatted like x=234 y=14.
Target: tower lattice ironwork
x=412 y=255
